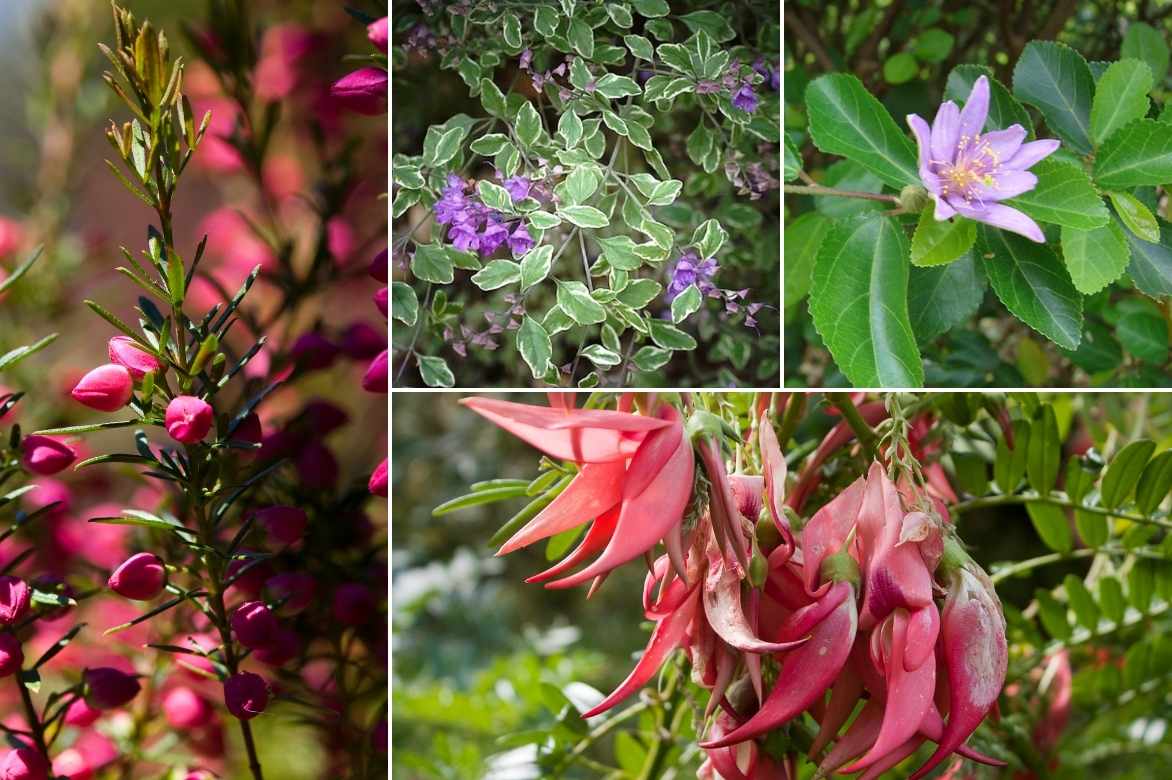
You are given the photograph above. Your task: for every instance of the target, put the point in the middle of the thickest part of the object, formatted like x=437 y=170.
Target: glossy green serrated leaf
x=858 y=301
x=846 y=120
x=939 y=242
x=1135 y=216
x=1056 y=80
x=1144 y=42
x=1095 y=257
x=1064 y=196
x=802 y=239
x=1143 y=330
x=942 y=297
x=1121 y=96
x=1138 y=154
x=1033 y=284
x=1151 y=263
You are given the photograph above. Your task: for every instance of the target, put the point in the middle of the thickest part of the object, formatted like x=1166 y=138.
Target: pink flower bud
x=361 y=342
x=294 y=588
x=378 y=267
x=188 y=419
x=377 y=33
x=71 y=764
x=316 y=467
x=340 y=239
x=11 y=236
x=254 y=624
x=108 y=688
x=45 y=455
x=107 y=388
x=186 y=709
x=284 y=648
x=199 y=774
x=378 y=480
x=23 y=764
x=14 y=599
x=125 y=352
x=380 y=300
x=375 y=380
x=353 y=604
x=285 y=524
x=246 y=695
x=364 y=91
x=141 y=577
x=11 y=655
x=48 y=491
x=81 y=714
x=313 y=352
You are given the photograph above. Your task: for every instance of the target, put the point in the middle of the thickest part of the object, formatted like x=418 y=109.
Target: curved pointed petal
x=773 y=464
x=667 y=635
x=923 y=133
x=802 y=621
x=597 y=535
x=1003 y=144
x=1031 y=153
x=975 y=111
x=596 y=488
x=943 y=210
x=827 y=532
x=1007 y=184
x=845 y=694
x=1006 y=218
x=805 y=675
x=945 y=133
x=644 y=519
x=726 y=614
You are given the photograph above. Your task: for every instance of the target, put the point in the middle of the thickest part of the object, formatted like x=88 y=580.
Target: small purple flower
x=707 y=87
x=526 y=58
x=520 y=241
x=560 y=70
x=689 y=269
x=745 y=99
x=452 y=202
x=464 y=237
x=495 y=233
x=518 y=187
x=968 y=172
x=539 y=80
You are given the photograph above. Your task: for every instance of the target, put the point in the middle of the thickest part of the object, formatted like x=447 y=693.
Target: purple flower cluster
x=540 y=79
x=498 y=322
x=689 y=269
x=752 y=180
x=739 y=87
x=474 y=227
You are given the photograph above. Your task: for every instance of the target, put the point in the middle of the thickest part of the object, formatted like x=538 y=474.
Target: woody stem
x=820 y=190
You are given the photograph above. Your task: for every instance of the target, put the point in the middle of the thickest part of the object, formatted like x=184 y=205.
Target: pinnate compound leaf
x=1154 y=483
x=1123 y=472
x=859 y=303
x=847 y=120
x=1064 y=196
x=1121 y=96
x=940 y=242
x=1137 y=155
x=1056 y=80
x=1095 y=257
x=1032 y=283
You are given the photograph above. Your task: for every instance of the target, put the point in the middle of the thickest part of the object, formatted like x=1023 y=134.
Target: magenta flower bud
x=11 y=655
x=107 y=388
x=378 y=267
x=380 y=300
x=108 y=688
x=249 y=430
x=294 y=588
x=284 y=648
x=323 y=417
x=23 y=764
x=14 y=599
x=45 y=455
x=186 y=709
x=364 y=91
x=353 y=604
x=188 y=419
x=313 y=351
x=378 y=480
x=286 y=524
x=375 y=379
x=81 y=714
x=199 y=774
x=126 y=353
x=317 y=467
x=140 y=578
x=246 y=695
x=254 y=624
x=377 y=33
x=362 y=342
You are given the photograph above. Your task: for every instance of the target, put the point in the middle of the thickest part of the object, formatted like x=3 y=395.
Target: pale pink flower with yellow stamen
x=968 y=172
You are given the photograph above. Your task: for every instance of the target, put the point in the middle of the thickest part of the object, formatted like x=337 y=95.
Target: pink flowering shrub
x=192 y=556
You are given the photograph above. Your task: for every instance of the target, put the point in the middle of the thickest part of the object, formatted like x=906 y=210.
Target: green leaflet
x=1121 y=96
x=1095 y=257
x=1033 y=285
x=859 y=303
x=847 y=120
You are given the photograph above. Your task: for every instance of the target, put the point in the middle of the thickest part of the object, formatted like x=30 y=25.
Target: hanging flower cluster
x=870 y=601
x=475 y=227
